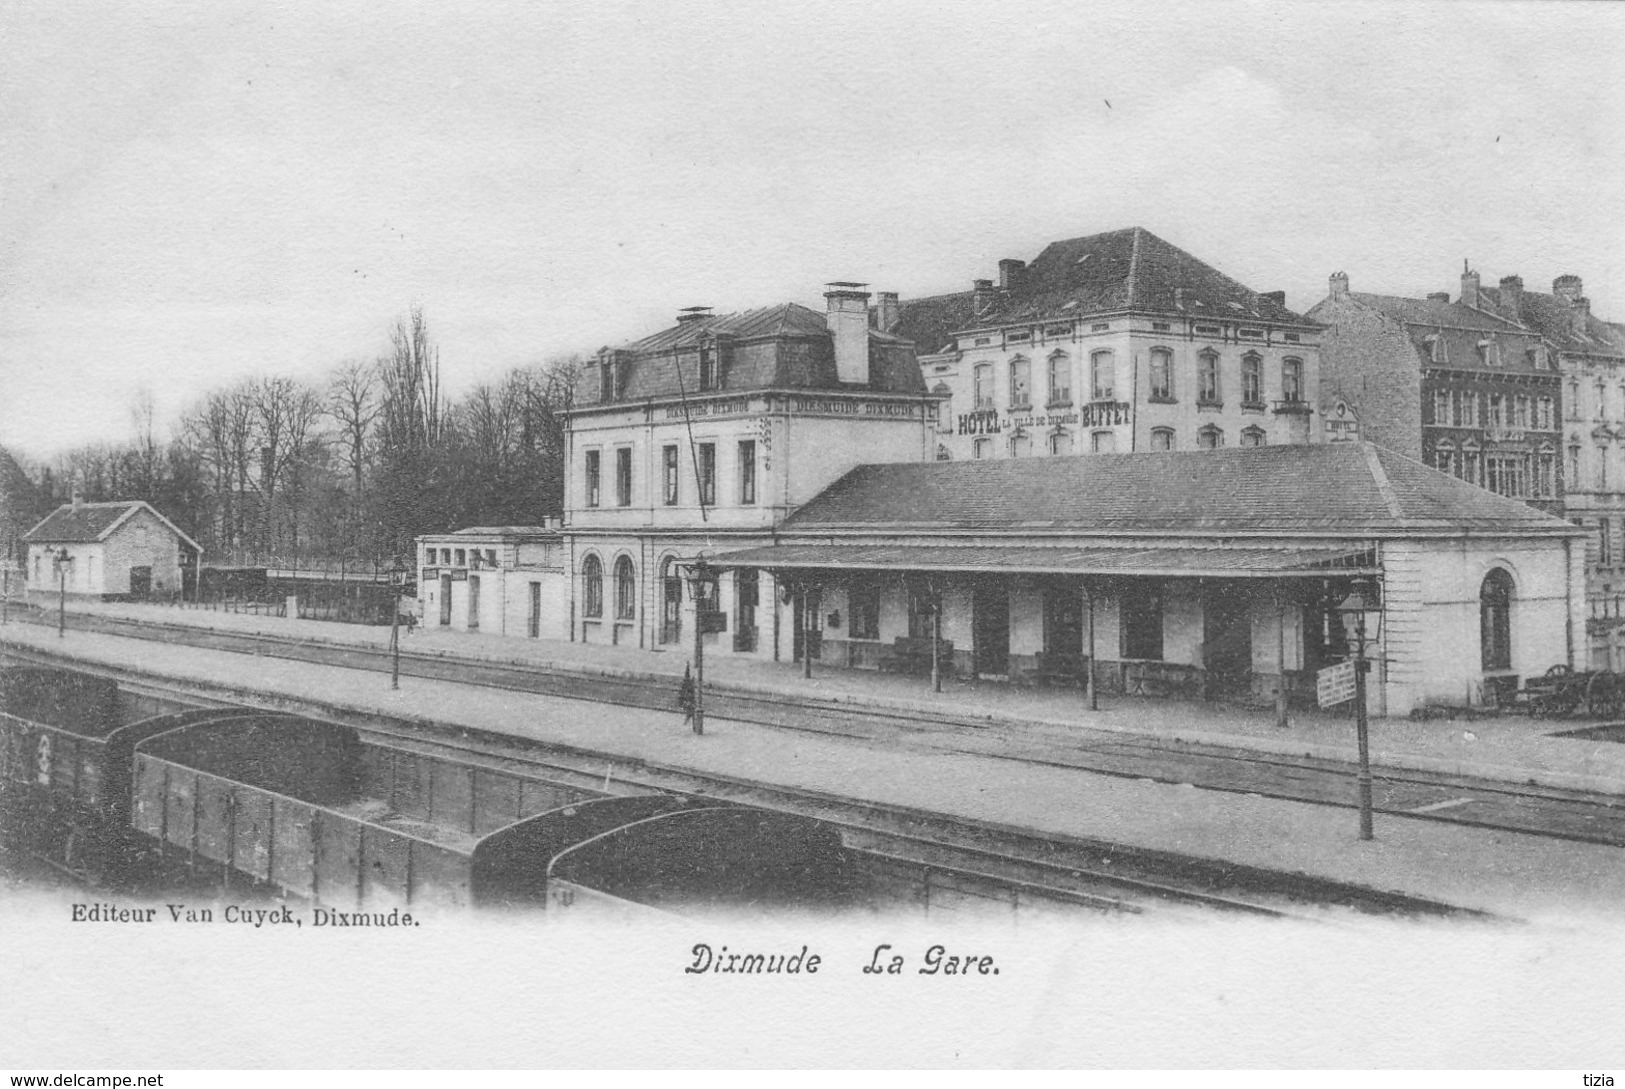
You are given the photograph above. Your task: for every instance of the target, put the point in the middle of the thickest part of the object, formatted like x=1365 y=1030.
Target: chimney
x=1581 y=316
x=693 y=313
x=1469 y=286
x=1011 y=273
x=78 y=491
x=1276 y=297
x=1568 y=288
x=1338 y=284
x=982 y=294
x=1439 y=296
x=1512 y=297
x=848 y=318
x=887 y=313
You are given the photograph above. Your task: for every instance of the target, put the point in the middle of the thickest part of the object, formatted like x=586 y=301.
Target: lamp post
x=702 y=580
x=60 y=560
x=397 y=579
x=1362 y=598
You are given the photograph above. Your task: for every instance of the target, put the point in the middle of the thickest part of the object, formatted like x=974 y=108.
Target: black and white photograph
x=922 y=536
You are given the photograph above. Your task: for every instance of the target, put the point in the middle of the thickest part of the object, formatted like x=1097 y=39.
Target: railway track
x=924 y=855
x=1555 y=813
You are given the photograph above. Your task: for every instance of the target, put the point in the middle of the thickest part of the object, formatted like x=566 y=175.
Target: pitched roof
x=94 y=522
x=930 y=321
x=785 y=319
x=1129 y=269
x=1553 y=318
x=1433 y=312
x=1339 y=488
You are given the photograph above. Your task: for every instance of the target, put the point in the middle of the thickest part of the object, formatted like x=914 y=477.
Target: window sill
x=1021 y=406
x=1210 y=406
x=1156 y=400
x=1060 y=404
x=1257 y=407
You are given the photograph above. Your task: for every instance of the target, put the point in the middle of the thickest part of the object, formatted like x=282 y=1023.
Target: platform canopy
x=1016 y=559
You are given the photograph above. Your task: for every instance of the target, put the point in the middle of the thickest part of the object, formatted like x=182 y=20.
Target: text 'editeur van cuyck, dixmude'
x=280 y=915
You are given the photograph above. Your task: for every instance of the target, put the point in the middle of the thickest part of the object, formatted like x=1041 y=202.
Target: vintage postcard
x=902 y=536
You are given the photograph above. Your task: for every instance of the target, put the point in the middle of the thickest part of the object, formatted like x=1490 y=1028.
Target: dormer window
x=708 y=367
x=1436 y=349
x=1486 y=352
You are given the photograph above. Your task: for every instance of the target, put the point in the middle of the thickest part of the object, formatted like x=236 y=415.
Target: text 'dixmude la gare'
x=937 y=960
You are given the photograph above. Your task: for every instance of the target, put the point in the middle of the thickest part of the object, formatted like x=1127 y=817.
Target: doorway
x=990 y=628
x=140 y=582
x=1227 y=639
x=535 y=627
x=805 y=604
x=445 y=600
x=1063 y=620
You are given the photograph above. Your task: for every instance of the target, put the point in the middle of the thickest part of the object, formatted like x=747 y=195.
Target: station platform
x=1505 y=873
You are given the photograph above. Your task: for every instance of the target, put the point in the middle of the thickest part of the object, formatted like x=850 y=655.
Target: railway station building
x=1112 y=343
x=1206 y=574
x=702 y=438
x=505 y=580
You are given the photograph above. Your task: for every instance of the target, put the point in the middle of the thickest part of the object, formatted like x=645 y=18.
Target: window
x=982 y=389
x=1507 y=474
x=1536 y=358
x=747 y=595
x=592 y=478
x=1021 y=386
x=1252 y=436
x=1252 y=380
x=1444 y=459
x=592 y=587
x=1162 y=438
x=1465 y=403
x=708 y=367
x=1103 y=374
x=462 y=558
x=626 y=590
x=1521 y=412
x=1021 y=445
x=1602 y=468
x=863 y=601
x=1291 y=379
x=445 y=555
x=623 y=476
x=1160 y=327
x=1441 y=407
x=1497 y=411
x=1060 y=443
x=1602 y=400
x=1141 y=609
x=708 y=474
x=1486 y=352
x=1545 y=414
x=747 y=471
x=1605 y=542
x=1103 y=442
x=1060 y=380
x=1207 y=379
x=1437 y=352
x=982 y=449
x=1495 y=619
x=1209 y=438
x=490 y=557
x=1545 y=476
x=1573 y=412
x=606 y=380
x=668 y=460
x=1470 y=463
x=945 y=406
x=1574 y=466
x=1162 y=375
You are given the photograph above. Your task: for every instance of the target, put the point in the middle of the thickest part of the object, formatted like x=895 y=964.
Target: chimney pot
x=1011 y=273
x=1469 y=287
x=888 y=312
x=1512 y=297
x=1568 y=288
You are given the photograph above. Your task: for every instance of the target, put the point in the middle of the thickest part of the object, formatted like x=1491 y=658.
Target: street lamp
x=397 y=579
x=60 y=560
x=1362 y=598
x=702 y=586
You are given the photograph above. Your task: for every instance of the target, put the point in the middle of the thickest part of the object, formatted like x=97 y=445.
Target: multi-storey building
x=1113 y=343
x=704 y=437
x=1468 y=390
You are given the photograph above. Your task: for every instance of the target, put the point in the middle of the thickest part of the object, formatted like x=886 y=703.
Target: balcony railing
x=1293 y=405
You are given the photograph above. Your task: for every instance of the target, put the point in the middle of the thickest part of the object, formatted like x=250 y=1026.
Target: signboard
x=713 y=621
x=1335 y=684
x=430 y=573
x=457 y=574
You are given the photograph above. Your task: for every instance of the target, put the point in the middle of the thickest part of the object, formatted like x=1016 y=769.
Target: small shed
x=117 y=550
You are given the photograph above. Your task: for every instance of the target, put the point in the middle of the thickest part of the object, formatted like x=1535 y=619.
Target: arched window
x=671 y=603
x=1162 y=374
x=626 y=590
x=1060 y=443
x=1252 y=436
x=982 y=449
x=1060 y=380
x=1207 y=378
x=592 y=587
x=1495 y=619
x=1444 y=458
x=1103 y=442
x=1162 y=438
x=1209 y=438
x=1252 y=379
x=1103 y=374
x=982 y=388
x=1021 y=384
x=1021 y=445
x=1471 y=462
x=945 y=406
x=1291 y=379
x=1546 y=471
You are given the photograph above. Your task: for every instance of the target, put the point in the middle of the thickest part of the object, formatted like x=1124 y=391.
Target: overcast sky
x=196 y=194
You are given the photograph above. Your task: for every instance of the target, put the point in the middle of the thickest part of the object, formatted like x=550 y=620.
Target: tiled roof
x=1553 y=318
x=1341 y=488
x=1039 y=559
x=1127 y=269
x=928 y=322
x=92 y=522
x=1433 y=312
x=786 y=319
